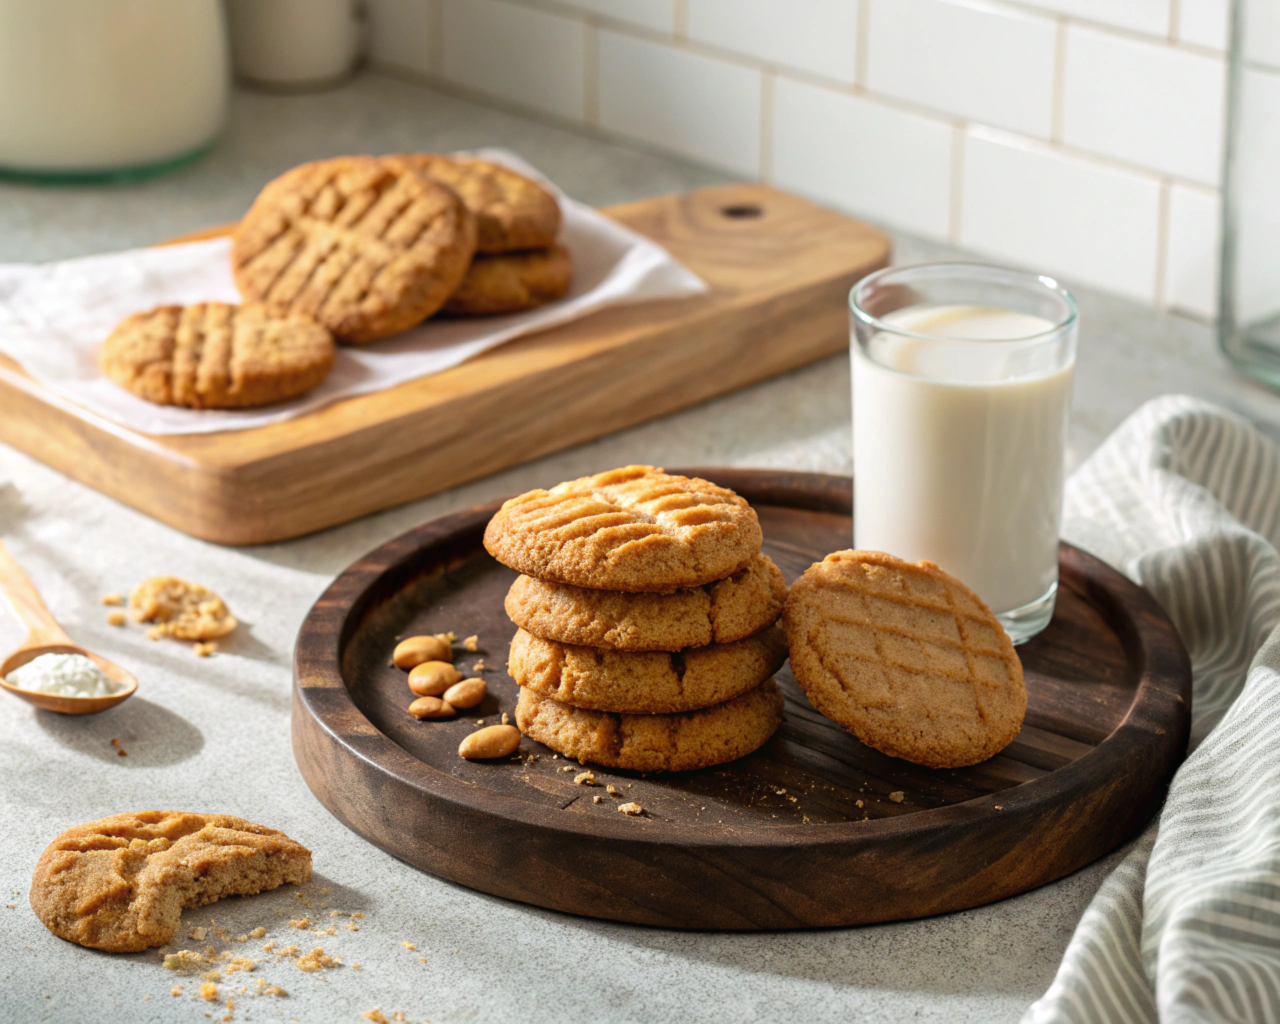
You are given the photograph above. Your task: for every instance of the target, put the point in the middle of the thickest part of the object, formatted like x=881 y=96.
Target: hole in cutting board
x=742 y=211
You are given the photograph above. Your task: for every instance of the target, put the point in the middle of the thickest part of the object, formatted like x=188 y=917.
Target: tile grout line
x=435 y=37
x=680 y=19
x=955 y=220
x=766 y=125
x=1175 y=20
x=1058 y=116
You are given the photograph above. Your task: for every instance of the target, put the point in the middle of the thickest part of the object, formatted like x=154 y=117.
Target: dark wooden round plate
x=812 y=829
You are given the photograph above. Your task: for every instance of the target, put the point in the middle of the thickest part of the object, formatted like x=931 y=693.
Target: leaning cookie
x=906 y=657
x=634 y=529
x=730 y=609
x=512 y=282
x=367 y=246
x=211 y=355
x=512 y=212
x=645 y=682
x=650 y=743
x=121 y=883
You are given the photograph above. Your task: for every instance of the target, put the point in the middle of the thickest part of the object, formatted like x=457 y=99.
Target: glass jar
x=105 y=89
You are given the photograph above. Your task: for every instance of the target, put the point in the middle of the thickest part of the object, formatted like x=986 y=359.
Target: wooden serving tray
x=780 y=270
x=800 y=833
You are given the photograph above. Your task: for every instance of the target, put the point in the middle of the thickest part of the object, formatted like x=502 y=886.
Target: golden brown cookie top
x=121 y=883
x=186 y=611
x=632 y=529
x=650 y=743
x=512 y=212
x=365 y=245
x=512 y=282
x=730 y=609
x=905 y=657
x=645 y=682
x=212 y=355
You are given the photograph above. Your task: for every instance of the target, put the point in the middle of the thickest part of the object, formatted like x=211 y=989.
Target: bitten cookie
x=512 y=212
x=650 y=743
x=730 y=609
x=212 y=355
x=512 y=283
x=186 y=611
x=645 y=682
x=121 y=883
x=906 y=657
x=633 y=529
x=365 y=245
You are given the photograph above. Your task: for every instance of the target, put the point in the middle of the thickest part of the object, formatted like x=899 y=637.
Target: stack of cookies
x=647 y=620
x=352 y=249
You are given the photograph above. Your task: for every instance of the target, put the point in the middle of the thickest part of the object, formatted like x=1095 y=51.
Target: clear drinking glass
x=961 y=391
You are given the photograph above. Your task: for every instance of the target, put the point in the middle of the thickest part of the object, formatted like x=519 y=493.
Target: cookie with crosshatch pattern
x=906 y=657
x=368 y=246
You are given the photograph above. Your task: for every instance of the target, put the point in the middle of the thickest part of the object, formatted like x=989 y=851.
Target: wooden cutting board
x=780 y=270
x=806 y=831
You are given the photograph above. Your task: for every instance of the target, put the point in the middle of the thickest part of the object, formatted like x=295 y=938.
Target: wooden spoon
x=47 y=637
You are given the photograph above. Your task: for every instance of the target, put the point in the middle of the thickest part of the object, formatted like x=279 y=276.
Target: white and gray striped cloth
x=1185 y=499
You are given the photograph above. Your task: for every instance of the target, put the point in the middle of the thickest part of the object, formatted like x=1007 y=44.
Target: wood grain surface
x=780 y=269
x=801 y=833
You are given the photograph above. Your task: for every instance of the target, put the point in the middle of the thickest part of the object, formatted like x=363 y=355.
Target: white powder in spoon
x=63 y=675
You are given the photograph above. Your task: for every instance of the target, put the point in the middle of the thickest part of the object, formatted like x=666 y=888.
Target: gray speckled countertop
x=214 y=734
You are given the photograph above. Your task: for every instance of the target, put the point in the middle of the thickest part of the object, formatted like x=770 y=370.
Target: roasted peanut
x=432 y=678
x=415 y=650
x=466 y=694
x=431 y=707
x=491 y=741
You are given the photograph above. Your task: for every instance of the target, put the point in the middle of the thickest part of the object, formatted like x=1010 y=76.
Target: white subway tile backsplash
x=993 y=65
x=862 y=156
x=659 y=15
x=1150 y=16
x=1059 y=214
x=400 y=33
x=519 y=54
x=700 y=107
x=1204 y=22
x=1152 y=105
x=1191 y=270
x=817 y=36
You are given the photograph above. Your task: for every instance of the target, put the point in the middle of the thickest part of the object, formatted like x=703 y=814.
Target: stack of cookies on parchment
x=353 y=250
x=647 y=615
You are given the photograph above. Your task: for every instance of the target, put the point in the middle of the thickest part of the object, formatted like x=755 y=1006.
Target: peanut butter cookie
x=512 y=212
x=906 y=657
x=512 y=283
x=121 y=883
x=645 y=682
x=212 y=355
x=650 y=743
x=186 y=611
x=633 y=529
x=365 y=245
x=730 y=609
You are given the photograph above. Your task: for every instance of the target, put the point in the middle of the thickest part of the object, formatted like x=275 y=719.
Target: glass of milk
x=961 y=392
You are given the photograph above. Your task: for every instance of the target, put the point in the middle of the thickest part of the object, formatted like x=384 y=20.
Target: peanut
x=432 y=678
x=491 y=741
x=431 y=707
x=416 y=649
x=466 y=694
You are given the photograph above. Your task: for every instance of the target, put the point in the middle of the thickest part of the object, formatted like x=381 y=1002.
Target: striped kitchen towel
x=1185 y=499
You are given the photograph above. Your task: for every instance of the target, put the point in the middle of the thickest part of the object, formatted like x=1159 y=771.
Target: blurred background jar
x=294 y=45
x=106 y=89
x=1249 y=319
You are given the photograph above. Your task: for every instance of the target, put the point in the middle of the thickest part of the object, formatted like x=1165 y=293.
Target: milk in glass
x=959 y=433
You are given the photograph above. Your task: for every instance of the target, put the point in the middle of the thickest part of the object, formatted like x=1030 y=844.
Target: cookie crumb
x=478 y=666
x=897 y=796
x=567 y=768
x=376 y=1016
x=597 y=799
x=258 y=933
x=408 y=945
x=113 y=598
x=115 y=618
x=632 y=809
x=176 y=990
x=208 y=991
x=204 y=649
x=585 y=779
x=197 y=934
x=315 y=960
x=472 y=643
x=300 y=922
x=999 y=807
x=858 y=802
x=611 y=789
x=505 y=719
x=450 y=636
